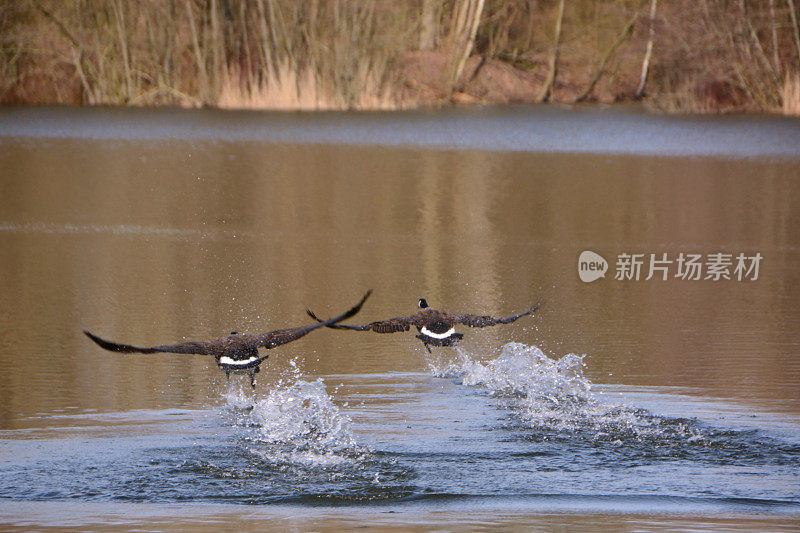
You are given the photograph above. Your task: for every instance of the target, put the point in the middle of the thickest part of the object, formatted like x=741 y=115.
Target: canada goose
x=236 y=352
x=435 y=327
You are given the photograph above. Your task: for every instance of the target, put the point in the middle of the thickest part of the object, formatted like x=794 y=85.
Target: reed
x=290 y=88
x=284 y=89
x=791 y=95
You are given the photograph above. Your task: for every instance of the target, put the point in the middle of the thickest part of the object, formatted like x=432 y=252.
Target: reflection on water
x=148 y=228
x=149 y=242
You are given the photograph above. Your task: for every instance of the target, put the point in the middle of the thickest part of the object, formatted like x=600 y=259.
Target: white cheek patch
x=225 y=360
x=429 y=333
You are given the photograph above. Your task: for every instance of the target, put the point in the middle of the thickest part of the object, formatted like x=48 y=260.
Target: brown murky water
x=148 y=227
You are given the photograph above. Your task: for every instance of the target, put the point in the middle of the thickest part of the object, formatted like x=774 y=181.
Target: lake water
x=625 y=403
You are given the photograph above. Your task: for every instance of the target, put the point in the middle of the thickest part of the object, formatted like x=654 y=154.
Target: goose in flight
x=435 y=327
x=236 y=352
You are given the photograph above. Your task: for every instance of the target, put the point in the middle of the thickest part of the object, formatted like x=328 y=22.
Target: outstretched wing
x=477 y=321
x=282 y=336
x=393 y=325
x=200 y=348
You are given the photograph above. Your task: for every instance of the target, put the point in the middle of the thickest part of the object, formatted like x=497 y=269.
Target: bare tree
x=547 y=90
x=649 y=51
x=796 y=32
x=626 y=32
x=467 y=17
x=427 y=31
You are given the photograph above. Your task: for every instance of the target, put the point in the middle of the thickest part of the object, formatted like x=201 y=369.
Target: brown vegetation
x=682 y=55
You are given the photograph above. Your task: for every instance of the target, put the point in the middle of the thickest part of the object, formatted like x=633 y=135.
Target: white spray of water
x=296 y=423
x=302 y=411
x=524 y=371
x=553 y=394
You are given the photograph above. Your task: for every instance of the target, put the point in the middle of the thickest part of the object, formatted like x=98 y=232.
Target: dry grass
x=376 y=93
x=287 y=89
x=791 y=95
x=290 y=88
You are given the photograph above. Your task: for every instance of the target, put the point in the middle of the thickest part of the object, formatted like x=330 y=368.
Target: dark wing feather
x=199 y=348
x=282 y=336
x=477 y=321
x=393 y=325
x=365 y=327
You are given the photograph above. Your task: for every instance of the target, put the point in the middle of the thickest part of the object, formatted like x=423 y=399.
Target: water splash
x=553 y=398
x=298 y=438
x=523 y=371
x=550 y=402
x=296 y=423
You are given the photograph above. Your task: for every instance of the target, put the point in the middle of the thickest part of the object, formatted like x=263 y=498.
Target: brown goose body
x=435 y=327
x=236 y=352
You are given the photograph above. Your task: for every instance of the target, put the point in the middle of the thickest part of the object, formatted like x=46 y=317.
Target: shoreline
x=671 y=57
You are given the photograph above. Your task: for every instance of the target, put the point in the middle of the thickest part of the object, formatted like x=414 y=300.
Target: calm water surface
x=624 y=403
